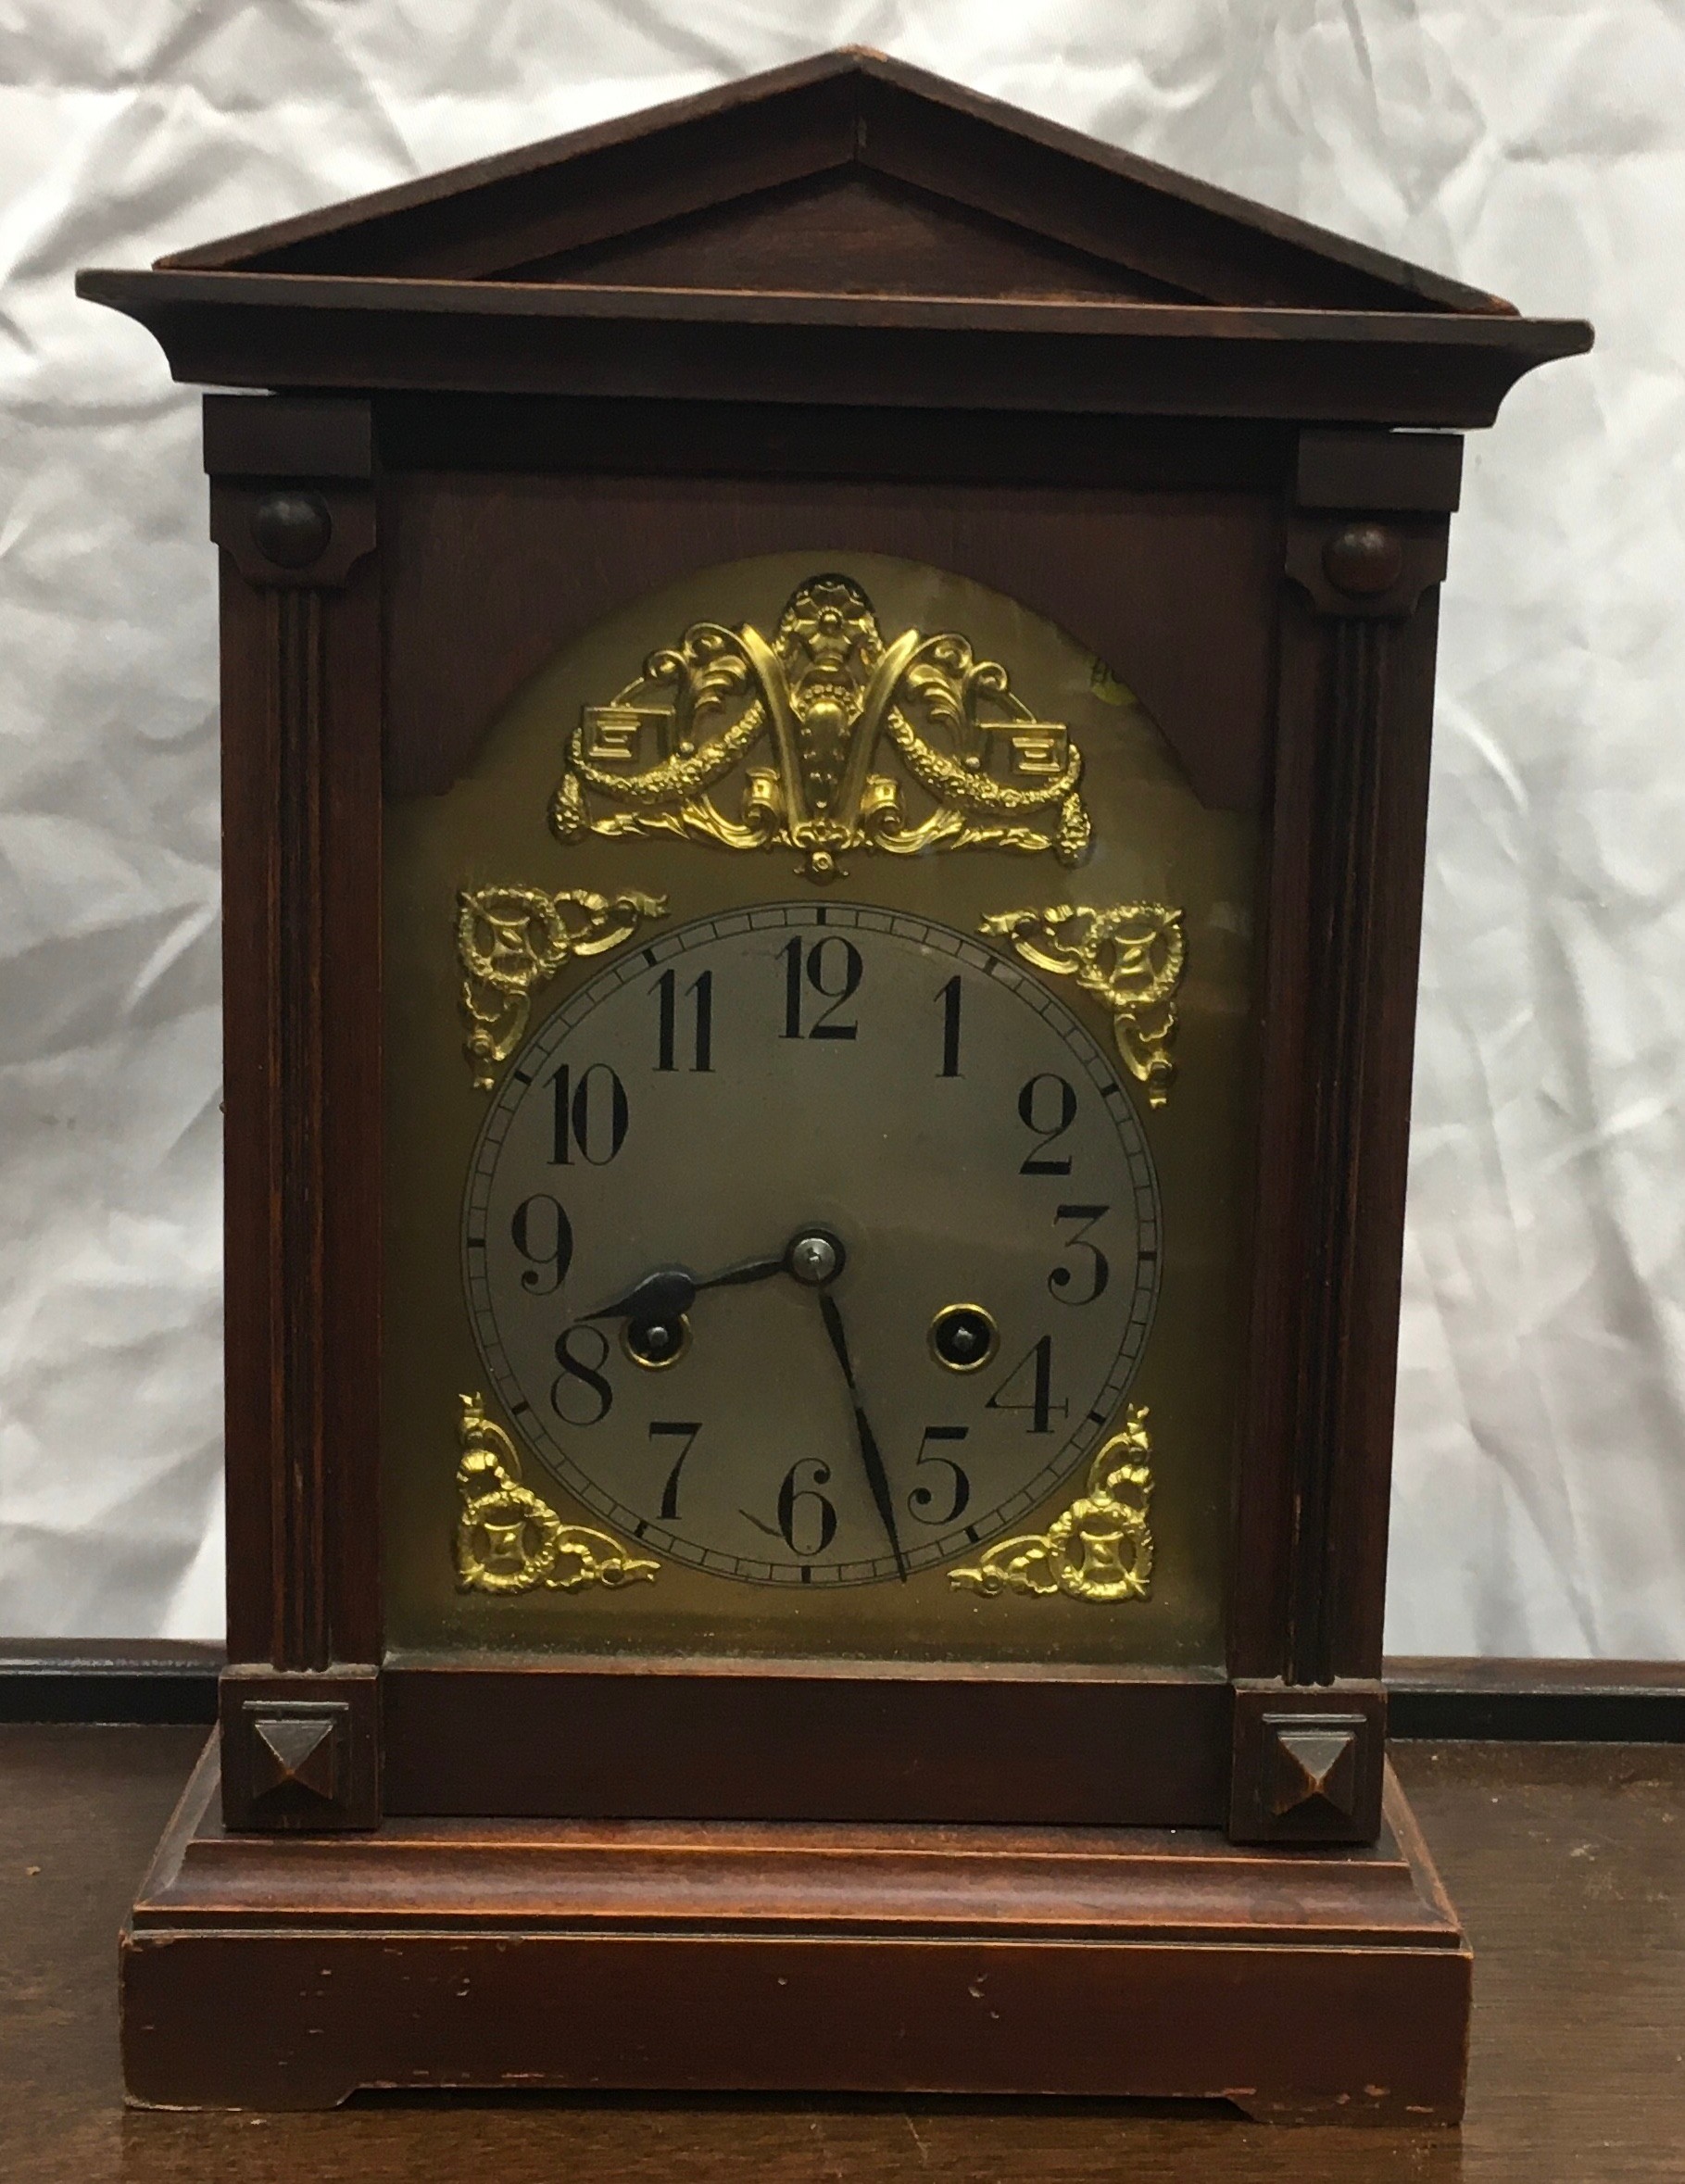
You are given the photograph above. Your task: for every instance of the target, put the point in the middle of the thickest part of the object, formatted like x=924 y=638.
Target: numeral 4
x=1029 y=1387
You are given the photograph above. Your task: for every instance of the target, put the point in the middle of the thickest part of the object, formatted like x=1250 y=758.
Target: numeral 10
x=592 y=1115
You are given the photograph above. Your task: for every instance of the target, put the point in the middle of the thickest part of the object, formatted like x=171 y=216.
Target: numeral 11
x=701 y=997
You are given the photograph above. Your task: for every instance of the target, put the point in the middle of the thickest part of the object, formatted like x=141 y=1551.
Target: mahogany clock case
x=844 y=308
x=478 y=578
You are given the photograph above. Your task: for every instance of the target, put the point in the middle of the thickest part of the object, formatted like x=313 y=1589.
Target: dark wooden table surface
x=1568 y=1862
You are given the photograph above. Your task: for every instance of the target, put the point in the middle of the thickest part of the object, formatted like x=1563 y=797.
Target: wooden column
x=293 y=510
x=1365 y=542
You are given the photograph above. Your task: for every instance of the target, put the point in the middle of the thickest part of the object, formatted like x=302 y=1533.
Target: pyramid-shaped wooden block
x=295 y=1752
x=1315 y=1766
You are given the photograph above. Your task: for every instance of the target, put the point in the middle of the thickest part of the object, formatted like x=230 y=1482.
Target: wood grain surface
x=1568 y=1863
x=792 y=1957
x=821 y=118
x=847 y=229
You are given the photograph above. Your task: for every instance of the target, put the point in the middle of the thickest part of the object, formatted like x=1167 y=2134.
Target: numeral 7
x=674 y=1429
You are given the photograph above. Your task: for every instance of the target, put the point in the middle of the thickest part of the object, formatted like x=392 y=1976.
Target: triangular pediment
x=845 y=232
x=850 y=232
x=848 y=175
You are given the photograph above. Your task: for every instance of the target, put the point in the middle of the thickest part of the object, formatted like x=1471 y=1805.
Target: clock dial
x=811 y=1244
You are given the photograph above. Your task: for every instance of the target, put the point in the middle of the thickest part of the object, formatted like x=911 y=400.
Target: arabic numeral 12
x=832 y=968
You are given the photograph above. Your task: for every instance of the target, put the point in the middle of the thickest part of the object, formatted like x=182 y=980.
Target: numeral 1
x=948 y=995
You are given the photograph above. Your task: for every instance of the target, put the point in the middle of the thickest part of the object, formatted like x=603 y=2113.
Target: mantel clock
x=826 y=714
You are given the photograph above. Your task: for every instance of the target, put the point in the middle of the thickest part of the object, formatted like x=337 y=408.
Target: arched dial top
x=811 y=1244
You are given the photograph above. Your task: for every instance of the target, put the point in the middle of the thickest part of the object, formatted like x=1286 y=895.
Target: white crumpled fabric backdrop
x=1532 y=146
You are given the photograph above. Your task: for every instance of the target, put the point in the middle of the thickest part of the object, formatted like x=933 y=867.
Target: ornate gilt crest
x=904 y=746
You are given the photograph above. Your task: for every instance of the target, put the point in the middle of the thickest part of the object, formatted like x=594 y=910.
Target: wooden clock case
x=844 y=301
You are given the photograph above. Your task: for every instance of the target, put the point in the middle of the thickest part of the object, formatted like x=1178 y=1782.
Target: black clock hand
x=877 y=1479
x=670 y=1291
x=751 y=1269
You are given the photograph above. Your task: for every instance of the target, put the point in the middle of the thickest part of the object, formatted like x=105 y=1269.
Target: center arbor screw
x=815 y=1258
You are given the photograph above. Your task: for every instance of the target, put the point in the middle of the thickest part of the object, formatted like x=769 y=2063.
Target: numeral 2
x=1050 y=1114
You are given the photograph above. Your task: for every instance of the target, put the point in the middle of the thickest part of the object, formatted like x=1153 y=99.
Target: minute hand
x=870 y=1459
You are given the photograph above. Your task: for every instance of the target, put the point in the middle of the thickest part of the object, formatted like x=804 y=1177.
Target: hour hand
x=670 y=1291
x=666 y=1294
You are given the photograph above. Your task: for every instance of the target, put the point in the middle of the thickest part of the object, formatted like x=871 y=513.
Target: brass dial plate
x=543 y=905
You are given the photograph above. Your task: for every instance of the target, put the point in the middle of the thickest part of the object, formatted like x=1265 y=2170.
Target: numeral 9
x=543 y=1234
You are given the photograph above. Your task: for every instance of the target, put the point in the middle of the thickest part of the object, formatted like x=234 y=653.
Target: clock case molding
x=843 y=302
